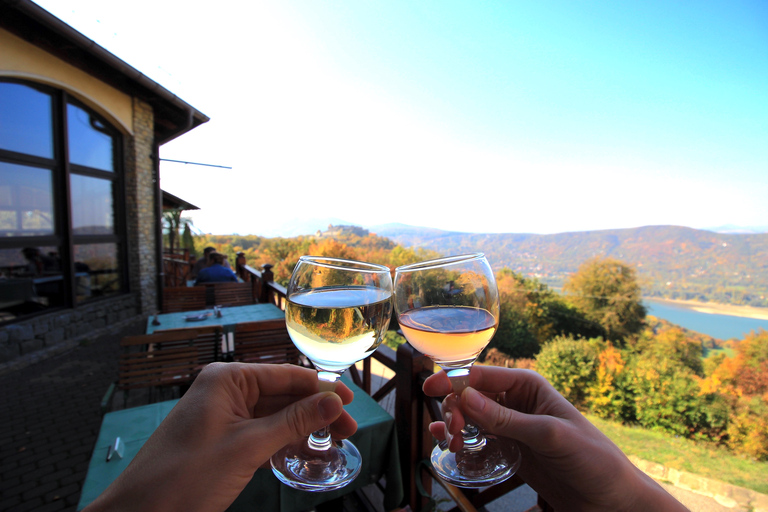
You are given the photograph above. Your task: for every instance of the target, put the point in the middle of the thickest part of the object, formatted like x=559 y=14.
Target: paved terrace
x=50 y=420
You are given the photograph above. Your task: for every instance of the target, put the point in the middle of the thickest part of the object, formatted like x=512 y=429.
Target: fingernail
x=475 y=400
x=329 y=407
x=447 y=417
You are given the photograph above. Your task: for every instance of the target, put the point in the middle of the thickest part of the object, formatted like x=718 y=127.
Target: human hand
x=565 y=458
x=227 y=425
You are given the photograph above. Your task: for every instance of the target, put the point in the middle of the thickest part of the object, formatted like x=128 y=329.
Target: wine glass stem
x=473 y=440
x=321 y=439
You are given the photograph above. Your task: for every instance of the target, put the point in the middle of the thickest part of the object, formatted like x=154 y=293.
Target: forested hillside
x=672 y=262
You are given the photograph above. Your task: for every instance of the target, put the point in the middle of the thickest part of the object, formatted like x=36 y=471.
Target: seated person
x=216 y=272
x=202 y=263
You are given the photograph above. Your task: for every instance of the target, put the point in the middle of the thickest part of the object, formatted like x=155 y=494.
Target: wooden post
x=266 y=277
x=240 y=268
x=414 y=439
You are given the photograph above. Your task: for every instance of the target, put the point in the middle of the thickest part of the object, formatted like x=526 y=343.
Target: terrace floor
x=51 y=418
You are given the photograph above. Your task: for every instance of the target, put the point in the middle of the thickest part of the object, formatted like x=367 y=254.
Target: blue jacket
x=215 y=274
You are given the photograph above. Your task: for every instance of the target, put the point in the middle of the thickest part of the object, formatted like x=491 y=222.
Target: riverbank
x=717 y=309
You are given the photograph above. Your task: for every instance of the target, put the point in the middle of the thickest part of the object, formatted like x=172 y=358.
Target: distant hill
x=672 y=261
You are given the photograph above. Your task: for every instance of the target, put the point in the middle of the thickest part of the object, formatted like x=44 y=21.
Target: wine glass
x=448 y=309
x=337 y=314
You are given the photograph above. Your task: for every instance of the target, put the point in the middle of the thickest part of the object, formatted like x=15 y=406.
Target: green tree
x=187 y=240
x=173 y=222
x=608 y=293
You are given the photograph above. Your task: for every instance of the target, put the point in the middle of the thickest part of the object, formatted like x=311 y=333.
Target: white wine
x=337 y=327
x=452 y=336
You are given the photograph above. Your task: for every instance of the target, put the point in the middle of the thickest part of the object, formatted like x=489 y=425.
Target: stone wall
x=33 y=339
x=140 y=184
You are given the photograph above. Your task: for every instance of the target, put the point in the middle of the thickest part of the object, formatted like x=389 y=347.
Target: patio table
x=229 y=318
x=376 y=439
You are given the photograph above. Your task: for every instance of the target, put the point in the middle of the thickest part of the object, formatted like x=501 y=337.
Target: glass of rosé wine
x=448 y=309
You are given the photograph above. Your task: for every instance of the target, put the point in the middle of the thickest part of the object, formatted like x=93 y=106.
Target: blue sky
x=490 y=116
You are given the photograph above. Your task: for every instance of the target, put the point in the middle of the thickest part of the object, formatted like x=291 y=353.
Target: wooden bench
x=206 y=339
x=156 y=362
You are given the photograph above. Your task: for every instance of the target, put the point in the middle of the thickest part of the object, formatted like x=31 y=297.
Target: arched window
x=62 y=233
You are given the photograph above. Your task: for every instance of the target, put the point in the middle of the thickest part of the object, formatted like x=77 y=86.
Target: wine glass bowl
x=448 y=309
x=337 y=313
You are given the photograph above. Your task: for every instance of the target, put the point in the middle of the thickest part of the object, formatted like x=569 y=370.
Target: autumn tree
x=669 y=341
x=532 y=314
x=607 y=292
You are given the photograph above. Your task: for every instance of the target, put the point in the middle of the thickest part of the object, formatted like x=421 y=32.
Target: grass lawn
x=686 y=455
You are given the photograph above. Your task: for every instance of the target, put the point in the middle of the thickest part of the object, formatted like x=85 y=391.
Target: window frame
x=62 y=171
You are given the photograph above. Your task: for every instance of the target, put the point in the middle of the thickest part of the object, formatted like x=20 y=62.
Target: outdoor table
x=229 y=318
x=376 y=439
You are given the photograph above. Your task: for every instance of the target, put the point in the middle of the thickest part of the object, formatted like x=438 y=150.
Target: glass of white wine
x=337 y=314
x=448 y=309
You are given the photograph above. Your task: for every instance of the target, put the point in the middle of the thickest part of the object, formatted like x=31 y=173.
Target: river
x=719 y=326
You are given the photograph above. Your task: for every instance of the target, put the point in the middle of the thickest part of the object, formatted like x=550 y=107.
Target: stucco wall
x=19 y=59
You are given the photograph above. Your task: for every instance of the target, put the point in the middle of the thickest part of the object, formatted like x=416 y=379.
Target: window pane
x=97 y=271
x=92 y=206
x=30 y=281
x=90 y=143
x=25 y=120
x=26 y=200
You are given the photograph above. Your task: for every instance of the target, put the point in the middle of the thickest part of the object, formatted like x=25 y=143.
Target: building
x=80 y=197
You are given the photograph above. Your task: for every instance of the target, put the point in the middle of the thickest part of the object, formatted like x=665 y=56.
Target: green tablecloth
x=229 y=317
x=133 y=426
x=375 y=438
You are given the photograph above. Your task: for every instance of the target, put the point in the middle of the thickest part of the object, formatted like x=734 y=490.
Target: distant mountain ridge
x=672 y=261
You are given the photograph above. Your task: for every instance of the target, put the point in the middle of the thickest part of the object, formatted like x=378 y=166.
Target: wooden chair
x=264 y=342
x=183 y=298
x=207 y=340
x=232 y=294
x=156 y=362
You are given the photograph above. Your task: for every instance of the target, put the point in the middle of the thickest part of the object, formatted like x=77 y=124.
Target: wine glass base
x=492 y=464
x=300 y=467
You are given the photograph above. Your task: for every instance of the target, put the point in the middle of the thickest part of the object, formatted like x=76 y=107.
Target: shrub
x=570 y=365
x=667 y=398
x=748 y=428
x=611 y=395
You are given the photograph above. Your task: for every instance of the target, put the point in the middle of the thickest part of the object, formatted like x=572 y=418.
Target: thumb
x=299 y=419
x=529 y=429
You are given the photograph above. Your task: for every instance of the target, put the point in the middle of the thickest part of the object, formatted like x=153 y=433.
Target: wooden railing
x=263 y=284
x=175 y=270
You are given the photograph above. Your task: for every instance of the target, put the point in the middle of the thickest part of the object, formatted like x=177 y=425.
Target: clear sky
x=495 y=116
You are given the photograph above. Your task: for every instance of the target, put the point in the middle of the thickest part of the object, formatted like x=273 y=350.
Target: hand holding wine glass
x=337 y=314
x=448 y=309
